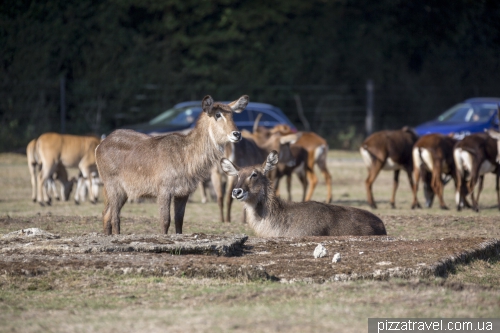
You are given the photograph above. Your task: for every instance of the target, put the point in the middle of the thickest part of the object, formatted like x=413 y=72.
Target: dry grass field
x=94 y=300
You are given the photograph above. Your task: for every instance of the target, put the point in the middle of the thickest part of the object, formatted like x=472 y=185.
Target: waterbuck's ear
x=207 y=104
x=270 y=163
x=228 y=167
x=240 y=104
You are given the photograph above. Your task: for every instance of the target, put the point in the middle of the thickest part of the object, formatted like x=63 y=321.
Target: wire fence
x=338 y=113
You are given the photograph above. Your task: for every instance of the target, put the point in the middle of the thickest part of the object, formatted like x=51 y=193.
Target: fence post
x=62 y=89
x=369 y=107
x=300 y=111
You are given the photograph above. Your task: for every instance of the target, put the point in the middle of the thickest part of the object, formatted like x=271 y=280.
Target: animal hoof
x=393 y=206
x=77 y=202
x=444 y=208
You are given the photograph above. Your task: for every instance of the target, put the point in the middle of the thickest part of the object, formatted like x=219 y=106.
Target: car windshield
x=177 y=117
x=466 y=112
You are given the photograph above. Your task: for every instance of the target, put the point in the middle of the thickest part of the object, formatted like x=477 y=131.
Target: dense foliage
x=122 y=61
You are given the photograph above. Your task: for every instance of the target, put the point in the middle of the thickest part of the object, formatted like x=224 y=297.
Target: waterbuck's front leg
x=179 y=210
x=164 y=201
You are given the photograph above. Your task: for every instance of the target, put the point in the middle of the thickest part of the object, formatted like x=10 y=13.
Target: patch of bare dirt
x=235 y=256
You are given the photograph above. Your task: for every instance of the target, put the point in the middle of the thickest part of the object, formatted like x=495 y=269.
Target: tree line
x=123 y=61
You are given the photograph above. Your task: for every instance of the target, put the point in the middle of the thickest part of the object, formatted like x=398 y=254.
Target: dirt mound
x=236 y=256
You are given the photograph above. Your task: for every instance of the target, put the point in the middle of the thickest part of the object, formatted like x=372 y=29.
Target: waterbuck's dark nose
x=237 y=192
x=237 y=135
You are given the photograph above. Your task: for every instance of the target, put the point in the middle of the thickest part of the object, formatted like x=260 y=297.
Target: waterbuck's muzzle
x=239 y=194
x=235 y=136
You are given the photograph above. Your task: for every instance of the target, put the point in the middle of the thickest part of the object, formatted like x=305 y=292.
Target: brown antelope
x=248 y=152
x=433 y=158
x=69 y=150
x=168 y=167
x=60 y=174
x=271 y=216
x=309 y=150
x=388 y=150
x=475 y=155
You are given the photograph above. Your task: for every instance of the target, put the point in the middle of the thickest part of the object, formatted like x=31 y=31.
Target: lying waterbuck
x=271 y=216
x=168 y=167
x=388 y=150
x=475 y=155
x=71 y=151
x=433 y=159
x=61 y=175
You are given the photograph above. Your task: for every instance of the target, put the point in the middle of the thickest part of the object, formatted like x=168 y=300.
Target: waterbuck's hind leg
x=179 y=210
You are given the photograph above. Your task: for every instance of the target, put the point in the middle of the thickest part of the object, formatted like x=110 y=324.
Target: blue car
x=182 y=118
x=474 y=115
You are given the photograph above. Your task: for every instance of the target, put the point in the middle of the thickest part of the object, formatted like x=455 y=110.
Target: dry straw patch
x=98 y=300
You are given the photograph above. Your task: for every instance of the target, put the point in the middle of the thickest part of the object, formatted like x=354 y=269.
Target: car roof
x=250 y=104
x=483 y=100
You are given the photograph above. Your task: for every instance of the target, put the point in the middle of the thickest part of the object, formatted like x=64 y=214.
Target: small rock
x=384 y=263
x=320 y=251
x=337 y=257
x=361 y=252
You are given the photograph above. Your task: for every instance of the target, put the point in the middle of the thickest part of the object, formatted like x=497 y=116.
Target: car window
x=178 y=117
x=457 y=113
x=469 y=113
x=483 y=112
x=266 y=118
x=243 y=116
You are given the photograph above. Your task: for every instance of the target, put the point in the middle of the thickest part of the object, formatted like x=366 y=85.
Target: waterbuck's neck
x=204 y=148
x=265 y=215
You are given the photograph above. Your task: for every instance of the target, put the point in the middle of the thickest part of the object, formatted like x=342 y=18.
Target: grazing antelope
x=248 y=152
x=82 y=191
x=433 y=158
x=60 y=174
x=309 y=150
x=475 y=155
x=271 y=216
x=168 y=167
x=388 y=150
x=68 y=150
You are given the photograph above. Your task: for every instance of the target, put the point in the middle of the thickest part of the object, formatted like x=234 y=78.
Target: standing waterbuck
x=168 y=167
x=271 y=216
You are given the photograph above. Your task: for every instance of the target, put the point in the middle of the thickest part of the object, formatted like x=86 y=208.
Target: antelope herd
x=434 y=159
x=130 y=165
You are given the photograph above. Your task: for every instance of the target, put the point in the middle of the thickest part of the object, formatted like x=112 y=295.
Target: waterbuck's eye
x=253 y=175
x=218 y=116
